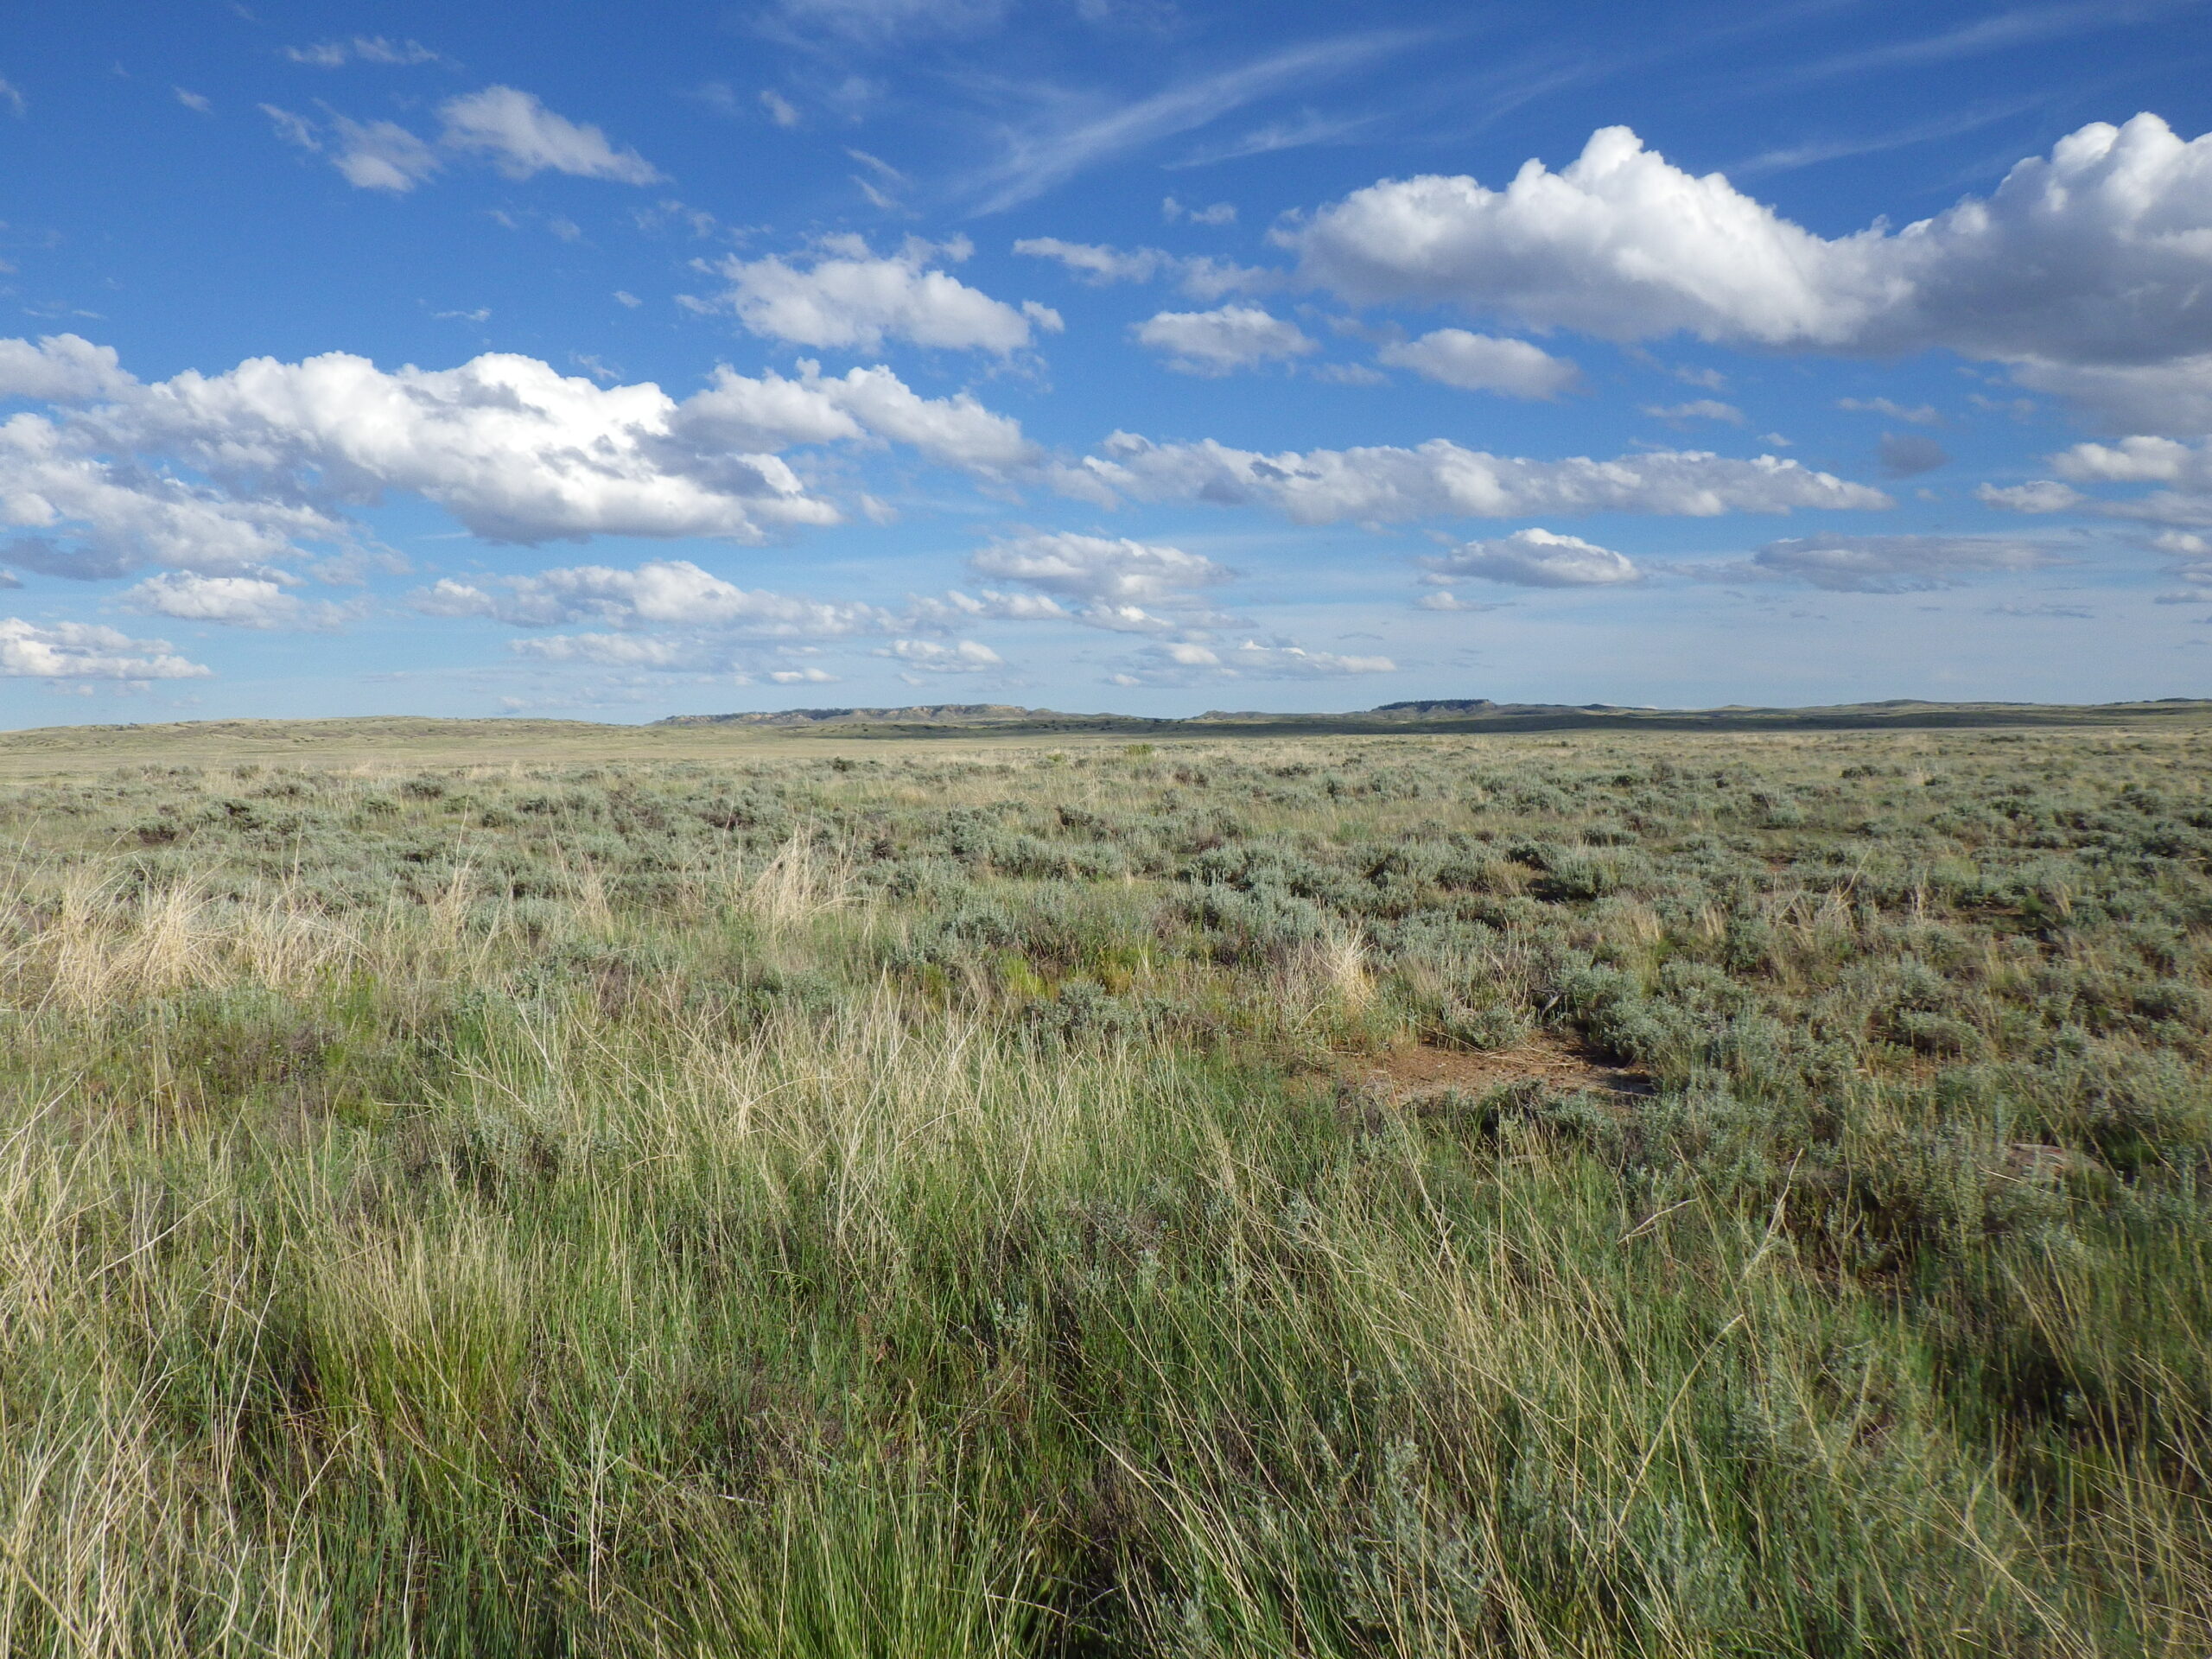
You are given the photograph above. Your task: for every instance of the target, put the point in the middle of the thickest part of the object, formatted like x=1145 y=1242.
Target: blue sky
x=1144 y=354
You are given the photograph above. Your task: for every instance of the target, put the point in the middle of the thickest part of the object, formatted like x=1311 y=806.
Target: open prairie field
x=1622 y=1192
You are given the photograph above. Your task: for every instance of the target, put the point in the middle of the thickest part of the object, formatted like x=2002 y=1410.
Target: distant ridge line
x=1451 y=714
x=815 y=716
x=519 y=737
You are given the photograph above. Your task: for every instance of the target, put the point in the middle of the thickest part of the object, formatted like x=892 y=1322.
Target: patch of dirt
x=1561 y=1065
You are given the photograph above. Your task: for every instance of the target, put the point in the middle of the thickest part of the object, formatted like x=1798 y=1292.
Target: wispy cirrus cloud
x=363 y=49
x=2002 y=32
x=1195 y=662
x=876 y=24
x=1075 y=135
x=1200 y=276
x=1813 y=151
x=1882 y=564
x=1917 y=414
x=1309 y=128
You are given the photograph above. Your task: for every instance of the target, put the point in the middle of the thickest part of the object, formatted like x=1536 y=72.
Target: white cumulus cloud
x=1439 y=479
x=619 y=650
x=510 y=128
x=773 y=412
x=2042 y=495
x=84 y=651
x=514 y=450
x=60 y=369
x=1483 y=363
x=373 y=154
x=1219 y=341
x=954 y=610
x=1536 y=558
x=2144 y=459
x=662 y=593
x=231 y=601
x=844 y=296
x=961 y=657
x=522 y=136
x=92 y=515
x=1127 y=586
x=1099 y=568
x=2094 y=256
x=2137 y=461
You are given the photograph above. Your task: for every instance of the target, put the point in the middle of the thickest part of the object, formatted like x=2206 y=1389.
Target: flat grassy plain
x=485 y=1192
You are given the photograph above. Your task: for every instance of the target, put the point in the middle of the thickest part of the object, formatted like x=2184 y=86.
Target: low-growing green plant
x=942 y=1201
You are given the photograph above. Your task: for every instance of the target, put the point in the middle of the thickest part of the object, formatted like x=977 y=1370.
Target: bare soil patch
x=1560 y=1065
